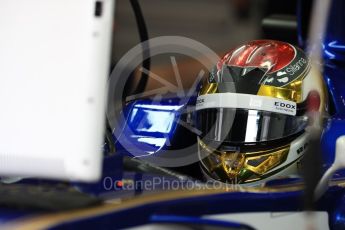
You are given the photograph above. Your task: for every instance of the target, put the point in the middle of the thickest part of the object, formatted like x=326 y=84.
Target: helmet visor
x=246 y=125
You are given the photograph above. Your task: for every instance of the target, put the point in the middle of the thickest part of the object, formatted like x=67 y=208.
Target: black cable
x=142 y=29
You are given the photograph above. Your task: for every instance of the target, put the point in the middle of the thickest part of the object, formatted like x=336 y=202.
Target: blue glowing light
x=329 y=54
x=151 y=121
x=334 y=44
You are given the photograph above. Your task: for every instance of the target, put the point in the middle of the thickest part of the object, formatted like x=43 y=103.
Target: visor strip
x=246 y=101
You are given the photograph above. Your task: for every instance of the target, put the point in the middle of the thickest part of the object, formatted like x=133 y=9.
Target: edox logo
x=284 y=105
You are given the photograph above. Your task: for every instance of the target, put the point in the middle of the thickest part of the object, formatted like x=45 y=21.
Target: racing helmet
x=252 y=112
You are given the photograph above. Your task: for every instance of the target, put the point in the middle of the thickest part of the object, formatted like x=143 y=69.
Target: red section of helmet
x=313 y=101
x=274 y=55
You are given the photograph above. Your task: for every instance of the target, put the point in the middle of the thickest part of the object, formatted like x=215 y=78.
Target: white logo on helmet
x=293 y=68
x=281 y=73
x=283 y=80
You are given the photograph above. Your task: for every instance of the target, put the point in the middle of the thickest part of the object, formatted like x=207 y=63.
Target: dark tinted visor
x=246 y=125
